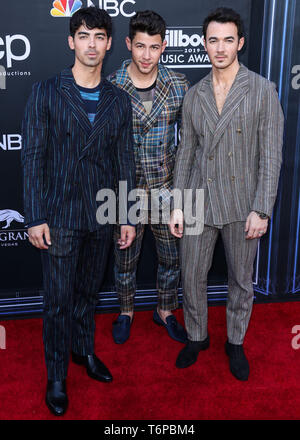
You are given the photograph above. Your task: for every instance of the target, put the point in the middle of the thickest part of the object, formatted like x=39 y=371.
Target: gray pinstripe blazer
x=235 y=157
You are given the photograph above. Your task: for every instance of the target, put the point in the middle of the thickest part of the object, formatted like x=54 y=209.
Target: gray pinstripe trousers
x=196 y=253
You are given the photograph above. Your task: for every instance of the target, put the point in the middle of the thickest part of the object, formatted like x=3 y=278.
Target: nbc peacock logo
x=65 y=8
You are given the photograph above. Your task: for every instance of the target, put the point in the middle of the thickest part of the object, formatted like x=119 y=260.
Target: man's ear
x=109 y=43
x=164 y=45
x=128 y=43
x=71 y=42
x=241 y=43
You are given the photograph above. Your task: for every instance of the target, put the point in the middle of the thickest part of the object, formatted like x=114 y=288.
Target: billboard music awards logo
x=11 y=237
x=66 y=8
x=185 y=48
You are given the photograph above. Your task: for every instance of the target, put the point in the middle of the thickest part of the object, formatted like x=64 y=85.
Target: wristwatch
x=262 y=215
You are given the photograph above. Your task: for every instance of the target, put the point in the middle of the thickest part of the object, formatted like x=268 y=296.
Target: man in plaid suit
x=156 y=94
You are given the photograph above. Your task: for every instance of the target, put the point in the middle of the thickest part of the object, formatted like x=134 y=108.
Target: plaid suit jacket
x=154 y=134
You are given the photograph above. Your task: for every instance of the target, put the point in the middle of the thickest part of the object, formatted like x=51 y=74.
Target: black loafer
x=94 y=367
x=121 y=329
x=238 y=363
x=56 y=397
x=174 y=329
x=189 y=354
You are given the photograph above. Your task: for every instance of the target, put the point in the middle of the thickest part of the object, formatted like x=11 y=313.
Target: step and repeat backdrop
x=33 y=46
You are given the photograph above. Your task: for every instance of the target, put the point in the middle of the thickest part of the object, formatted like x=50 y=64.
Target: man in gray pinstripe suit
x=231 y=144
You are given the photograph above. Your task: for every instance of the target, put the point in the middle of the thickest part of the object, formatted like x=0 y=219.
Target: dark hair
x=149 y=22
x=225 y=15
x=91 y=17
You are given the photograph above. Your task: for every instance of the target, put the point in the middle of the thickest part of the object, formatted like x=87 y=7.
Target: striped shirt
x=90 y=98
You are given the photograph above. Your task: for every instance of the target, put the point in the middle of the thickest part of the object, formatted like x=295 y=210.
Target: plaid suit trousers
x=168 y=271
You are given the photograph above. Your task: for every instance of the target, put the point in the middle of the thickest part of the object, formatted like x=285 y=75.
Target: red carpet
x=147 y=385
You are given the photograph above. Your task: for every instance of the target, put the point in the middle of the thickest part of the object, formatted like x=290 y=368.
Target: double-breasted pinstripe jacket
x=236 y=156
x=66 y=160
x=154 y=134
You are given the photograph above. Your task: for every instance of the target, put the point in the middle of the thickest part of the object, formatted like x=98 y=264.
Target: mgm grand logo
x=11 y=237
x=185 y=48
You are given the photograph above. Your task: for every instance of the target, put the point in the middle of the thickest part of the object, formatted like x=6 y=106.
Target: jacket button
x=239 y=130
x=232 y=178
x=209 y=180
x=211 y=157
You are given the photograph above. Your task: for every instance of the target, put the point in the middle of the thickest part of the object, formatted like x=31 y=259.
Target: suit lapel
x=208 y=103
x=73 y=99
x=137 y=105
x=105 y=102
x=123 y=79
x=160 y=97
x=161 y=94
x=235 y=96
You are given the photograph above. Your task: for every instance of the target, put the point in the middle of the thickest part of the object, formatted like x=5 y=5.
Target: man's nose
x=92 y=42
x=146 y=53
x=220 y=46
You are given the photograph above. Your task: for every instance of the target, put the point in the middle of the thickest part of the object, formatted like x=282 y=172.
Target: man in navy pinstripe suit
x=77 y=134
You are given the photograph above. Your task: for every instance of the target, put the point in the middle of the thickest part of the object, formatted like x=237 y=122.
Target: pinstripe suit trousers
x=196 y=254
x=73 y=269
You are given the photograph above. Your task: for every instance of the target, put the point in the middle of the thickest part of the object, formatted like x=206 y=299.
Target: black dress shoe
x=121 y=329
x=189 y=354
x=174 y=329
x=94 y=367
x=56 y=397
x=239 y=365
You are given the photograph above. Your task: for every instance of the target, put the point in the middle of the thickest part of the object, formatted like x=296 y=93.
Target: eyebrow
x=88 y=33
x=151 y=45
x=225 y=38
